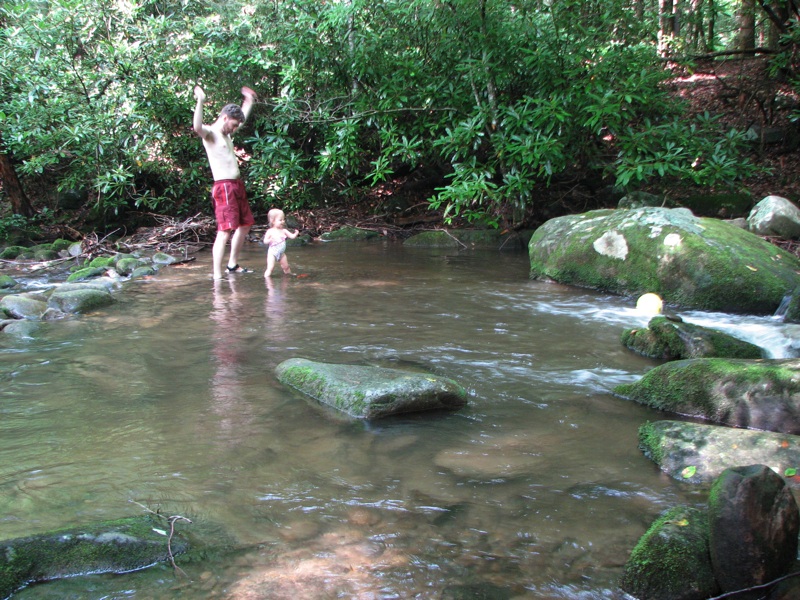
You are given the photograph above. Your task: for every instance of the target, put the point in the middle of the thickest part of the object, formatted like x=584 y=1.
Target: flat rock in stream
x=371 y=392
x=117 y=546
x=699 y=453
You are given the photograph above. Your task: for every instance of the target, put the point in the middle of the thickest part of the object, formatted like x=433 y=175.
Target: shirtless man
x=230 y=201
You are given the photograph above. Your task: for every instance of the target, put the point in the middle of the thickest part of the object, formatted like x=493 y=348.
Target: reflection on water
x=535 y=490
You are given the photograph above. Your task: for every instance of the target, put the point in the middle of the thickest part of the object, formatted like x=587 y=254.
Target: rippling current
x=168 y=400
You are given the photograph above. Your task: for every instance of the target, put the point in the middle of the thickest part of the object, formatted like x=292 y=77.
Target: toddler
x=275 y=239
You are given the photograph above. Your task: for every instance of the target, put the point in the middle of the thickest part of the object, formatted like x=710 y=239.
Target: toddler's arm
x=291 y=235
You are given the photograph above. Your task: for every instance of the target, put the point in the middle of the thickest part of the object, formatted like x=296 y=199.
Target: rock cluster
x=747 y=536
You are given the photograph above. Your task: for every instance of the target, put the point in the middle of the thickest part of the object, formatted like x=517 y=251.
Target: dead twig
x=171 y=521
x=755 y=587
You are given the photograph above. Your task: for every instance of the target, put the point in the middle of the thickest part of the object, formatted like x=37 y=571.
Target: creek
x=168 y=400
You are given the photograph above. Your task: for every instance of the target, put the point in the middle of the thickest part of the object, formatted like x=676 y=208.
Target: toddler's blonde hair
x=272 y=214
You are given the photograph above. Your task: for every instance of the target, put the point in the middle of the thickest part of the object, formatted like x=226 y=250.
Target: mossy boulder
x=102 y=261
x=672 y=561
x=7 y=282
x=127 y=265
x=61 y=244
x=698 y=453
x=673 y=339
x=349 y=234
x=12 y=252
x=690 y=262
x=371 y=392
x=44 y=252
x=762 y=394
x=86 y=273
x=162 y=258
x=23 y=306
x=143 y=271
x=80 y=300
x=108 y=547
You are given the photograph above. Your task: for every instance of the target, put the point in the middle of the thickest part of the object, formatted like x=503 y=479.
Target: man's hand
x=249 y=94
x=199 y=94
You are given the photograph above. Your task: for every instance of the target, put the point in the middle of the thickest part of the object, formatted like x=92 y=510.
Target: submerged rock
x=698 y=453
x=763 y=394
x=371 y=392
x=689 y=261
x=109 y=547
x=669 y=339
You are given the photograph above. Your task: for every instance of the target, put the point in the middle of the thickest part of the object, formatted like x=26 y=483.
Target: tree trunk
x=746 y=18
x=667 y=25
x=20 y=205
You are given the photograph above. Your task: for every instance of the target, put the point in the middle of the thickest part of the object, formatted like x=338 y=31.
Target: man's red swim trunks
x=230 y=204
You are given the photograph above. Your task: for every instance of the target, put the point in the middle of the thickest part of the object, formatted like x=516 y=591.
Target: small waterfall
x=784 y=305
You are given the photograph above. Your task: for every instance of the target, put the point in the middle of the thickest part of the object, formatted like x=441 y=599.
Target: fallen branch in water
x=755 y=587
x=171 y=520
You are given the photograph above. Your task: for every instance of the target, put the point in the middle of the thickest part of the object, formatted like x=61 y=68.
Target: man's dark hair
x=233 y=111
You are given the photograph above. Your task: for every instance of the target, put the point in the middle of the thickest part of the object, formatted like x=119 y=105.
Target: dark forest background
x=485 y=112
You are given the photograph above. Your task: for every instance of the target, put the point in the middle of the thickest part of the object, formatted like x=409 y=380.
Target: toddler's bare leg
x=285 y=265
x=270 y=264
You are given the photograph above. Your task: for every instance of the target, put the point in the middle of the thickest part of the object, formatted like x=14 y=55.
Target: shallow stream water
x=168 y=400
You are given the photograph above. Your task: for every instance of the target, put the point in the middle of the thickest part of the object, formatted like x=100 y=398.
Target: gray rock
x=688 y=261
x=21 y=328
x=23 y=306
x=371 y=392
x=162 y=258
x=143 y=271
x=79 y=300
x=698 y=453
x=775 y=216
x=753 y=526
x=762 y=394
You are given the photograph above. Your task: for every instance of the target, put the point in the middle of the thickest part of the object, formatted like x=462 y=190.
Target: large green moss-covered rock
x=691 y=262
x=698 y=453
x=371 y=392
x=758 y=394
x=672 y=560
x=109 y=547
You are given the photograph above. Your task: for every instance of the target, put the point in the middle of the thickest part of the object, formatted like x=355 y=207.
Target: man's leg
x=239 y=236
x=218 y=252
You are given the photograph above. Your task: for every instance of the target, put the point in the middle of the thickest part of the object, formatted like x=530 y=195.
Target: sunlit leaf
x=790 y=472
x=688 y=472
